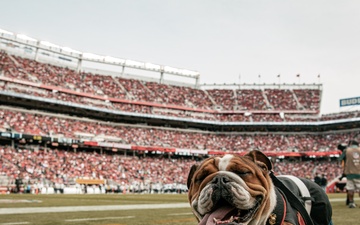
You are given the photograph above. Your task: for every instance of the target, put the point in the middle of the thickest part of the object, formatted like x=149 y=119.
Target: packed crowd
x=142 y=93
x=58 y=168
x=36 y=123
x=61 y=168
x=64 y=167
x=309 y=169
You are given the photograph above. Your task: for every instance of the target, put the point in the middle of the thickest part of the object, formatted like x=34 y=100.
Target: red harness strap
x=284 y=214
x=277 y=217
x=300 y=219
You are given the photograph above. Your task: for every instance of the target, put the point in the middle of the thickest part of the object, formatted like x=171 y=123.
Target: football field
x=120 y=209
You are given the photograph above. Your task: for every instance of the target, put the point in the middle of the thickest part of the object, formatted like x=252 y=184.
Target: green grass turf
x=180 y=216
x=89 y=200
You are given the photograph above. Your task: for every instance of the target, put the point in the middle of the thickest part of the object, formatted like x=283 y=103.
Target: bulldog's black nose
x=220 y=180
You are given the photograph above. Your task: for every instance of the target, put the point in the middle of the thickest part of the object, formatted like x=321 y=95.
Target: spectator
x=342 y=147
x=317 y=179
x=18 y=183
x=323 y=182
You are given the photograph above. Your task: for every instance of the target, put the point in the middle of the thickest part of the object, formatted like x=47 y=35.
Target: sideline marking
x=341 y=199
x=19 y=201
x=15 y=223
x=100 y=218
x=72 y=209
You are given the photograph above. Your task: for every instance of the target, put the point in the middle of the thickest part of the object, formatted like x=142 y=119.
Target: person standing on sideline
x=323 y=182
x=352 y=170
x=342 y=148
x=317 y=179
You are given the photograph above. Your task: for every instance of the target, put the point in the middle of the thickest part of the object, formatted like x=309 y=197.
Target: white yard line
x=91 y=208
x=342 y=199
x=14 y=223
x=105 y=208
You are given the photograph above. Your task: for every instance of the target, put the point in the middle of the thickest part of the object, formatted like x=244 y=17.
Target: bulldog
x=238 y=190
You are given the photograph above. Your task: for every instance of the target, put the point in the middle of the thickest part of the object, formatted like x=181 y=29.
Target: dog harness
x=289 y=207
x=304 y=191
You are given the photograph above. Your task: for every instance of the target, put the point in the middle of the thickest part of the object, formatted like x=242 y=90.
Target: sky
x=226 y=41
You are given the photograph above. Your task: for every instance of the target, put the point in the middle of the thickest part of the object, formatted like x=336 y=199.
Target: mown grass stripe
x=180 y=214
x=100 y=218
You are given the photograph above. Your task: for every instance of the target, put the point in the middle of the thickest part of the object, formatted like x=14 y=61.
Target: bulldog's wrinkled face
x=232 y=190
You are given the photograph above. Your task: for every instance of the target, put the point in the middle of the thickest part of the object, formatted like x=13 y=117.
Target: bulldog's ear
x=259 y=156
x=191 y=174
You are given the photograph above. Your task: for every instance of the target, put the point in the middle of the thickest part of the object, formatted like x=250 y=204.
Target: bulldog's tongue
x=221 y=213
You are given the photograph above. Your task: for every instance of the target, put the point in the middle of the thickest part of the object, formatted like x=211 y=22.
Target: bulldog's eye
x=263 y=166
x=201 y=177
x=243 y=173
x=199 y=180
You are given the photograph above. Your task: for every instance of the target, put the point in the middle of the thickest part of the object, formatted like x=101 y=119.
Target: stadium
x=71 y=129
x=93 y=139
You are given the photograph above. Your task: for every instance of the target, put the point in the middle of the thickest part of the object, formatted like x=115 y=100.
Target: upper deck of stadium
x=46 y=67
x=39 y=72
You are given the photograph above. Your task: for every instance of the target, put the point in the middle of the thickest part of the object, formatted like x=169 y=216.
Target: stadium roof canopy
x=66 y=51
